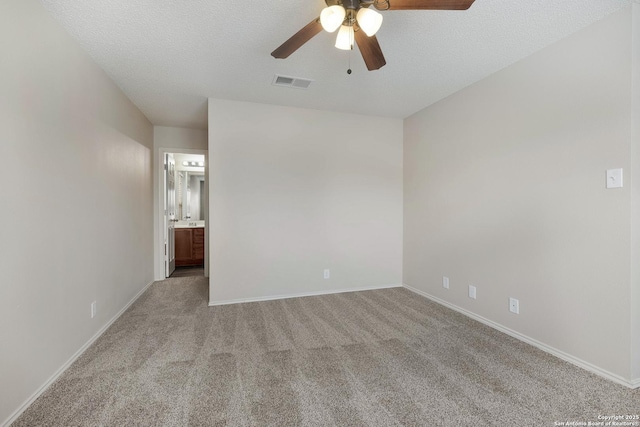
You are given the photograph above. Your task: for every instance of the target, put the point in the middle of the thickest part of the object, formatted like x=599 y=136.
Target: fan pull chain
x=351 y=45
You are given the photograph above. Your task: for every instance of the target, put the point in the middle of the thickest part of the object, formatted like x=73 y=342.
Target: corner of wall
x=635 y=195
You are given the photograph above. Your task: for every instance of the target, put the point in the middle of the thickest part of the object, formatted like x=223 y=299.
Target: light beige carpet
x=373 y=358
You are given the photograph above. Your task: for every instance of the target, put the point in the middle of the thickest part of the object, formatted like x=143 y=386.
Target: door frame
x=169 y=213
x=159 y=208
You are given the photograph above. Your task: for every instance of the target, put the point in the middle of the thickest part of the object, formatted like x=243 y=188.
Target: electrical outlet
x=445 y=282
x=472 y=292
x=514 y=305
x=327 y=273
x=94 y=309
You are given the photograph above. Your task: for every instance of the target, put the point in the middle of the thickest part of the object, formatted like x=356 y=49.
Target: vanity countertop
x=189 y=224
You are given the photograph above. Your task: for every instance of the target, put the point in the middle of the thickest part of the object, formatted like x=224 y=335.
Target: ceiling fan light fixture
x=344 y=40
x=361 y=13
x=332 y=17
x=369 y=20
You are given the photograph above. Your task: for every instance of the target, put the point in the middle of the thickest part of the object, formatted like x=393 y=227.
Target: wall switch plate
x=327 y=273
x=472 y=292
x=514 y=305
x=94 y=309
x=445 y=282
x=614 y=178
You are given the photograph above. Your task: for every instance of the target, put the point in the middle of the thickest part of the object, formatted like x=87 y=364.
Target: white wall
x=295 y=191
x=504 y=188
x=173 y=139
x=76 y=200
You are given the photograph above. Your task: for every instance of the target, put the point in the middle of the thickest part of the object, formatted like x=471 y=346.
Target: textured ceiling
x=169 y=56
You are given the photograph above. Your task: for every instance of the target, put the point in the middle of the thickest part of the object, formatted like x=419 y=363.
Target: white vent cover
x=295 y=82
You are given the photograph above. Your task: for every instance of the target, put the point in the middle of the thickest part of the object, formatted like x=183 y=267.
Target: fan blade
x=423 y=4
x=370 y=50
x=298 y=39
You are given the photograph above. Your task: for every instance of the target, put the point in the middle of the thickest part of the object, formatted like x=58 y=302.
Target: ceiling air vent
x=295 y=82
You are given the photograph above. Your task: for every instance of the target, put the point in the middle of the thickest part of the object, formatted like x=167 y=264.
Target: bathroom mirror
x=192 y=195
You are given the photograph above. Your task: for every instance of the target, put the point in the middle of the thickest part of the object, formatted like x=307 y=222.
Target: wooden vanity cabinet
x=189 y=246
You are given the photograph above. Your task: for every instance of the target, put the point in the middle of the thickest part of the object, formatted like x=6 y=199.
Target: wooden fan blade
x=424 y=4
x=370 y=50
x=298 y=39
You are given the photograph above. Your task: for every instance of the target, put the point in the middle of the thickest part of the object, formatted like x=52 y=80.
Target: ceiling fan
x=359 y=21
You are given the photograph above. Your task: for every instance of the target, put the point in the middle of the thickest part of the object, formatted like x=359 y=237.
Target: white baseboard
x=298 y=295
x=542 y=346
x=69 y=362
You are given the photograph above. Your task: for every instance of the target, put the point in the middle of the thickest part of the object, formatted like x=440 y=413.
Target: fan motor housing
x=349 y=4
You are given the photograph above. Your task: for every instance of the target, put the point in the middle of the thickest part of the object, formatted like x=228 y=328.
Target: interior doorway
x=182 y=210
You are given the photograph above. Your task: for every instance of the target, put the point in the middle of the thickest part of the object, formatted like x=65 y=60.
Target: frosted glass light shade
x=344 y=40
x=331 y=17
x=369 y=20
